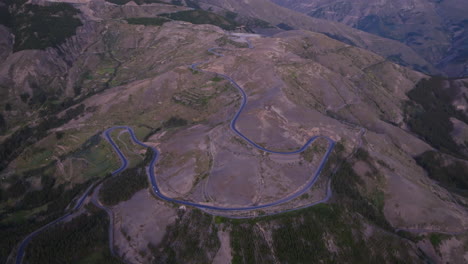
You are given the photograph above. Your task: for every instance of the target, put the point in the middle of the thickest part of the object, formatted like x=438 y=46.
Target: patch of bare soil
x=138 y=222
x=224 y=253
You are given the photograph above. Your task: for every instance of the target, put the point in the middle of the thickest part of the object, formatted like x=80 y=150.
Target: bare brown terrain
x=298 y=83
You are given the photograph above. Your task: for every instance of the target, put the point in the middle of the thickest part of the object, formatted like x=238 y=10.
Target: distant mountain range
x=435 y=29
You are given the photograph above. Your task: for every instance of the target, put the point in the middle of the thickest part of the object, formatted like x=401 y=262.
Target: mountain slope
x=434 y=29
x=270 y=12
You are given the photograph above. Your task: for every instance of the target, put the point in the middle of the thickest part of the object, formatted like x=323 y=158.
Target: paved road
x=25 y=242
x=156 y=154
x=96 y=202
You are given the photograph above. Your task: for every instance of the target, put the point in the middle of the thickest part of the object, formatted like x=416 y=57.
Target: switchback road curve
x=153 y=180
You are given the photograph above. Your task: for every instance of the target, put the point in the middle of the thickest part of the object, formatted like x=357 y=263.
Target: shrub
x=123 y=186
x=40 y=27
x=153 y=21
x=202 y=17
x=175 y=122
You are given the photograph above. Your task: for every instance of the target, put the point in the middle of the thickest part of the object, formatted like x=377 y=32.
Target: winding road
x=152 y=176
x=153 y=180
x=26 y=240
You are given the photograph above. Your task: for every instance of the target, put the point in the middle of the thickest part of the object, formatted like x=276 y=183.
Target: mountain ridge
x=434 y=29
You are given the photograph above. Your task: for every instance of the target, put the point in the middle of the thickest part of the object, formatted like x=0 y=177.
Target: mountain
x=287 y=19
x=434 y=29
x=127 y=88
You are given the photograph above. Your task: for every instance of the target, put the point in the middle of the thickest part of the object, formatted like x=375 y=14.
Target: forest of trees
x=203 y=17
x=3 y=124
x=175 y=122
x=453 y=176
x=123 y=186
x=429 y=111
x=248 y=245
x=84 y=239
x=345 y=185
x=40 y=27
x=57 y=198
x=192 y=238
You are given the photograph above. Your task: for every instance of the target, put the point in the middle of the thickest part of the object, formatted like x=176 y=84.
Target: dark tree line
x=453 y=176
x=203 y=17
x=248 y=245
x=191 y=239
x=175 y=122
x=82 y=240
x=39 y=27
x=345 y=185
x=57 y=199
x=3 y=124
x=429 y=111
x=124 y=185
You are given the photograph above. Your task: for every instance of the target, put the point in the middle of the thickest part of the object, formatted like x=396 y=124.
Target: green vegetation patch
x=26 y=136
x=362 y=154
x=123 y=186
x=437 y=239
x=429 y=111
x=217 y=79
x=224 y=40
x=312 y=150
x=82 y=240
x=284 y=26
x=453 y=176
x=95 y=158
x=254 y=22
x=340 y=38
x=35 y=210
x=17 y=189
x=202 y=17
x=303 y=241
x=40 y=27
x=191 y=239
x=175 y=122
x=346 y=184
x=147 y=21
x=3 y=124
x=305 y=236
x=249 y=245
